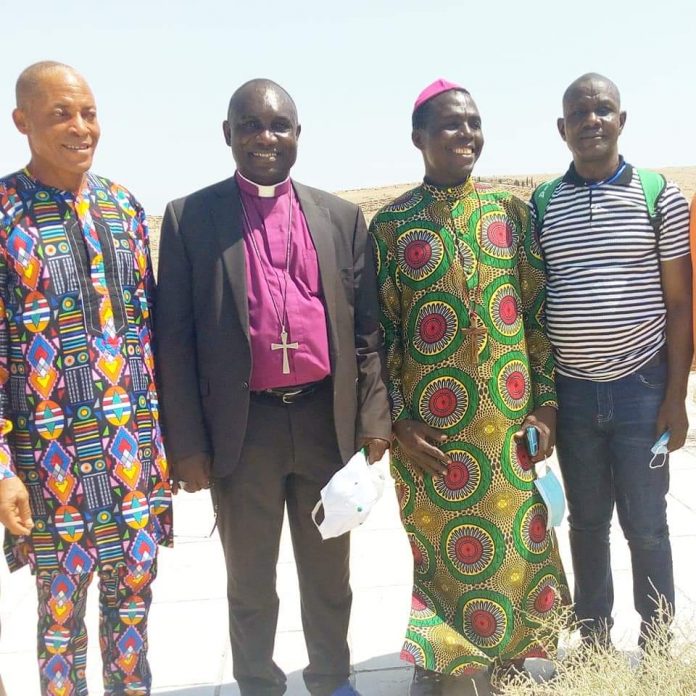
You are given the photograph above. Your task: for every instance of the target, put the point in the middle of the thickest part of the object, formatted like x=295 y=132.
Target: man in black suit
x=270 y=363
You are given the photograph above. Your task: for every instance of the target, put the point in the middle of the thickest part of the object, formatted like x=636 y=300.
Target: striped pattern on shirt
x=605 y=312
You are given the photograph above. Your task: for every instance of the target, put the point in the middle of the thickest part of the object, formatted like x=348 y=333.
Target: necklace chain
x=473 y=295
x=257 y=251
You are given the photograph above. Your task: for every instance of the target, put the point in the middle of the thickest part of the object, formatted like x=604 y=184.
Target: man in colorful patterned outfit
x=461 y=290
x=78 y=386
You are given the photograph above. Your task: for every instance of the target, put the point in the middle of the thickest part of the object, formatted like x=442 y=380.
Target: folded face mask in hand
x=349 y=496
x=551 y=492
x=659 y=451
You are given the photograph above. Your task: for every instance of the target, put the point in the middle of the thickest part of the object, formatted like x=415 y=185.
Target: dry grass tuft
x=667 y=668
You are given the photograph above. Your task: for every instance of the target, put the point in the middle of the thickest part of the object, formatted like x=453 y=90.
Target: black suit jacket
x=202 y=323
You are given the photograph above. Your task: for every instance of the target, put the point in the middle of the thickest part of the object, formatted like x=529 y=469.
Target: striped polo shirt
x=605 y=312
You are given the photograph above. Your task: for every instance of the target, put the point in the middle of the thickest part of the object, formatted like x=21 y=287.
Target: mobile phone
x=531 y=440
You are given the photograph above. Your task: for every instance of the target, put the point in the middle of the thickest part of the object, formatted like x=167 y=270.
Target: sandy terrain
x=371 y=200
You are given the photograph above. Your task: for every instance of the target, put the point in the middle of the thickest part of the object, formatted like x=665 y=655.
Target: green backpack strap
x=541 y=197
x=653 y=184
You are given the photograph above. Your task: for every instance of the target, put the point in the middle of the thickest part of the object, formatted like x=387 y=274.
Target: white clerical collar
x=260 y=190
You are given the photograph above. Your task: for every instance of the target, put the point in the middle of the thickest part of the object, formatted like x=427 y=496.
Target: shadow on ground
x=385 y=675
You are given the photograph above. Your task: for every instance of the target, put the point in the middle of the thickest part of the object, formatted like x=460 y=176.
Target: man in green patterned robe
x=462 y=297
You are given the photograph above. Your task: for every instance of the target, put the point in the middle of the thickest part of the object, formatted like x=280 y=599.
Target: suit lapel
x=320 y=225
x=227 y=218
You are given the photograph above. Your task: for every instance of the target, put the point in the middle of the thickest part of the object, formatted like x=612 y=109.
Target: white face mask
x=659 y=451
x=349 y=496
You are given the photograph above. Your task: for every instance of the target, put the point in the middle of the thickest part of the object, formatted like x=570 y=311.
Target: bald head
x=29 y=83
x=581 y=83
x=267 y=90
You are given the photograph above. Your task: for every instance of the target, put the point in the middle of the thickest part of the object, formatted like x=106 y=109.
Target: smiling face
x=591 y=125
x=450 y=139
x=58 y=115
x=263 y=131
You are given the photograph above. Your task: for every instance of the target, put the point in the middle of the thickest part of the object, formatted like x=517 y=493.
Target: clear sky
x=163 y=71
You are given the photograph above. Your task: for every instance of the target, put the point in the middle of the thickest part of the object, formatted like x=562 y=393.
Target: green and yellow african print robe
x=487 y=573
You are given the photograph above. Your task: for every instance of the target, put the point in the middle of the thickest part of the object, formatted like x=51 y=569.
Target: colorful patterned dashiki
x=486 y=570
x=77 y=377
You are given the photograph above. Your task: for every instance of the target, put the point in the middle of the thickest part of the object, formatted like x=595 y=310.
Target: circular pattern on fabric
x=56 y=639
x=446 y=399
x=49 y=420
x=510 y=384
x=541 y=598
x=407 y=202
x=132 y=611
x=404 y=486
x=37 y=312
x=533 y=252
x=498 y=237
x=465 y=665
x=117 y=406
x=420 y=252
x=517 y=467
x=424 y=556
x=435 y=327
x=424 y=613
x=486 y=618
x=529 y=531
x=160 y=498
x=69 y=523
x=513 y=576
x=136 y=511
x=417 y=650
x=429 y=520
x=503 y=305
x=466 y=481
x=473 y=550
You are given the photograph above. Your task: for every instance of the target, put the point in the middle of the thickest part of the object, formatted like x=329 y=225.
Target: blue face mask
x=659 y=449
x=551 y=491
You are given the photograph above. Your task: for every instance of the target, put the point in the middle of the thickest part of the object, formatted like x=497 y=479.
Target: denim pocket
x=652 y=377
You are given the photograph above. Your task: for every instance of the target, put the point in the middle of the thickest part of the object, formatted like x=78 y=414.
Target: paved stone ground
x=189 y=650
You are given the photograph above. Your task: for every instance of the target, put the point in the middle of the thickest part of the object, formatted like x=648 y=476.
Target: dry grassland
x=372 y=199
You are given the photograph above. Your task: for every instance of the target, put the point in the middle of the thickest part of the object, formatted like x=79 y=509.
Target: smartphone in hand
x=531 y=440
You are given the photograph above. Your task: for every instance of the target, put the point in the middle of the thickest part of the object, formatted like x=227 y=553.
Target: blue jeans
x=604 y=435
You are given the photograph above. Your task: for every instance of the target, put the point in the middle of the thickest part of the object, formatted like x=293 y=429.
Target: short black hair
x=420 y=117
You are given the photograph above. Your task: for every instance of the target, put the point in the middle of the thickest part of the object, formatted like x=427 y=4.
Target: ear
x=560 y=124
x=20 y=121
x=227 y=132
x=298 y=131
x=622 y=120
x=417 y=138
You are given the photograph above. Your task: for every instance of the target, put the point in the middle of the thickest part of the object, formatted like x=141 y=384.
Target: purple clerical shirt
x=267 y=209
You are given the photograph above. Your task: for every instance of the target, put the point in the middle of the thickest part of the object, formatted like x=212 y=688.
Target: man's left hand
x=376 y=447
x=544 y=420
x=672 y=416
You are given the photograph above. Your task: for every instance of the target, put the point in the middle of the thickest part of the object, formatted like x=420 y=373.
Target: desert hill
x=522 y=185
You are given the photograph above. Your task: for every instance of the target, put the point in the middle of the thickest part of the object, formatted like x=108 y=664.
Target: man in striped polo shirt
x=619 y=318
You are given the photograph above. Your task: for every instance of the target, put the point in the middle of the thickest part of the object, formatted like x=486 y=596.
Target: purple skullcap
x=435 y=88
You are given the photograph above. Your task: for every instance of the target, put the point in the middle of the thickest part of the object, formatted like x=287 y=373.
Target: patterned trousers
x=125 y=596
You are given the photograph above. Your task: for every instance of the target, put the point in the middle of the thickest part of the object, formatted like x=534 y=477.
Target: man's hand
x=193 y=472
x=415 y=439
x=672 y=416
x=376 y=447
x=15 y=513
x=544 y=420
